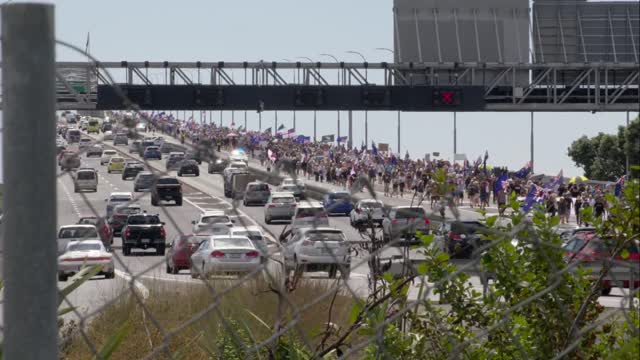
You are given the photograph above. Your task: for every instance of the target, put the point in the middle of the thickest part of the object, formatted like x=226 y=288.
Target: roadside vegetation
x=537 y=305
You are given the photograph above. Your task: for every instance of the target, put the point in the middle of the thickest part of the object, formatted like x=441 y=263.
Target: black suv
x=143 y=231
x=166 y=188
x=131 y=169
x=188 y=167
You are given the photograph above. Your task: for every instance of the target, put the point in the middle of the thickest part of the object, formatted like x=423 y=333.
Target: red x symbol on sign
x=447 y=97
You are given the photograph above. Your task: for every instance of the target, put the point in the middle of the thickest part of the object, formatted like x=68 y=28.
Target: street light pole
x=366 y=118
x=532 y=142
x=337 y=61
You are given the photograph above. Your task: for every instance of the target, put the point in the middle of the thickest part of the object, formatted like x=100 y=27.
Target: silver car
x=365 y=211
x=280 y=206
x=68 y=233
x=225 y=254
x=256 y=192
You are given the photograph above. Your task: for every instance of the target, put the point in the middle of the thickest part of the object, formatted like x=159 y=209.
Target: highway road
x=200 y=193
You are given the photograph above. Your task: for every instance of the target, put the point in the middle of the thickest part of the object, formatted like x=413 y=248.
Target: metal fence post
x=29 y=150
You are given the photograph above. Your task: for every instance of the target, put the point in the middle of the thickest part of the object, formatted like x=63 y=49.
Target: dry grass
x=173 y=304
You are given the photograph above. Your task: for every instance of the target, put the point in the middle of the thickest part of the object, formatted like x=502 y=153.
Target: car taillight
x=453 y=236
x=217 y=254
x=127 y=232
x=271 y=206
x=307 y=243
x=394 y=222
x=358 y=211
x=252 y=254
x=163 y=232
x=426 y=221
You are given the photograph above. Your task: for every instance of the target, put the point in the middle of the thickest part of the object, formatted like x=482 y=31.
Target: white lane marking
x=71 y=200
x=138 y=285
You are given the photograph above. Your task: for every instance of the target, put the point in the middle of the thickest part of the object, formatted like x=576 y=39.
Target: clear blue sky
x=251 y=30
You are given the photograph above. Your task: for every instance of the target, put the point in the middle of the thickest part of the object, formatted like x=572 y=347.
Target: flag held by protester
x=328 y=138
x=530 y=200
x=524 y=171
x=281 y=127
x=342 y=139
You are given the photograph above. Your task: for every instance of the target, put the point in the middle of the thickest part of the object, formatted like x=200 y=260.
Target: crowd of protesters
x=430 y=180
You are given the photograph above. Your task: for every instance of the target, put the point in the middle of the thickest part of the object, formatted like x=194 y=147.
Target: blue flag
x=342 y=138
x=529 y=200
x=524 y=171
x=394 y=161
x=501 y=183
x=374 y=148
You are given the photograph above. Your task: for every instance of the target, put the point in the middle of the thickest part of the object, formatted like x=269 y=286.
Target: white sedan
x=86 y=253
x=106 y=156
x=212 y=222
x=108 y=135
x=225 y=254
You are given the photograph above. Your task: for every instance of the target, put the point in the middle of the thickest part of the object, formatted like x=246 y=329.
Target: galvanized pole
x=398 y=132
x=532 y=167
x=245 y=121
x=294 y=120
x=315 y=138
x=30 y=327
x=276 y=121
x=350 y=142
x=260 y=121
x=366 y=128
x=455 y=134
x=627 y=154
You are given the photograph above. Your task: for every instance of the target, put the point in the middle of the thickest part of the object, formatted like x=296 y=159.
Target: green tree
x=603 y=157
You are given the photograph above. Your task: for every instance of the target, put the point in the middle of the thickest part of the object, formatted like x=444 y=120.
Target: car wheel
x=175 y=270
x=194 y=272
x=75 y=189
x=210 y=171
x=179 y=202
x=179 y=173
x=108 y=171
x=160 y=251
x=154 y=202
x=110 y=275
x=126 y=251
x=605 y=291
x=333 y=270
x=267 y=220
x=197 y=173
x=169 y=270
x=244 y=202
x=62 y=277
x=135 y=189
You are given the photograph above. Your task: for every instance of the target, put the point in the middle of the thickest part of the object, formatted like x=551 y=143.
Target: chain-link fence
x=398 y=280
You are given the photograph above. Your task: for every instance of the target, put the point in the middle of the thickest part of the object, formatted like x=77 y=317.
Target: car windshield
x=291 y=188
x=410 y=213
x=117 y=160
x=78 y=232
x=168 y=181
x=216 y=219
x=109 y=152
x=120 y=199
x=371 y=205
x=88 y=221
x=308 y=212
x=197 y=239
x=252 y=235
x=86 y=175
x=259 y=187
x=466 y=228
x=128 y=210
x=84 y=247
x=231 y=243
x=143 y=220
x=324 y=235
x=283 y=200
x=339 y=196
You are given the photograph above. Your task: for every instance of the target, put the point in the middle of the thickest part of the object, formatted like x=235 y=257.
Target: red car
x=180 y=250
x=591 y=251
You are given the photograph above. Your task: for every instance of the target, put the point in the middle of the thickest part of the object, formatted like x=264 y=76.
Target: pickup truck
x=166 y=188
x=143 y=231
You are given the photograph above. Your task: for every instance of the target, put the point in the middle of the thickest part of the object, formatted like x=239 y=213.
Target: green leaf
x=78 y=279
x=624 y=254
x=442 y=257
x=422 y=269
x=114 y=341
x=388 y=277
x=356 y=309
x=491 y=221
x=427 y=239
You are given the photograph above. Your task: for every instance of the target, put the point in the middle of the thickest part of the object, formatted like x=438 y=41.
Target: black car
x=217 y=166
x=463 y=237
x=166 y=188
x=143 y=231
x=131 y=170
x=188 y=167
x=193 y=155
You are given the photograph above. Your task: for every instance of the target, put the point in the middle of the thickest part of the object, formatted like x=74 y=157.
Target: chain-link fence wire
x=276 y=276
